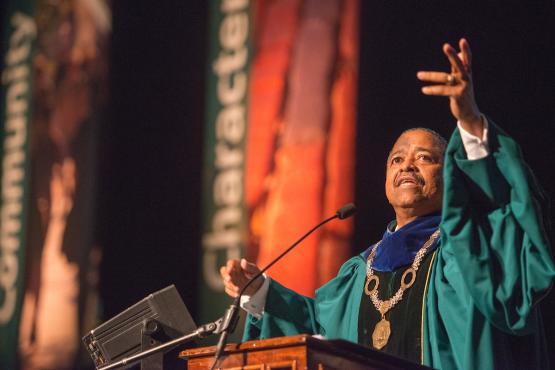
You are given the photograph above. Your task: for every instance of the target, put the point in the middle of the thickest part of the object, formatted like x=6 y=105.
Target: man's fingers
x=249 y=268
x=441 y=90
x=232 y=272
x=234 y=268
x=232 y=264
x=229 y=285
x=236 y=274
x=457 y=65
x=466 y=53
x=224 y=273
x=432 y=76
x=244 y=264
x=232 y=292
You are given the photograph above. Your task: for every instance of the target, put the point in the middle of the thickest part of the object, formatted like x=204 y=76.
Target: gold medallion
x=381 y=334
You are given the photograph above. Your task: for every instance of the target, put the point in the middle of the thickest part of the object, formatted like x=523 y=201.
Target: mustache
x=404 y=176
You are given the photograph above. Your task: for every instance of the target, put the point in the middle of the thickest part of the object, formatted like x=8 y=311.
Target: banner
x=224 y=215
x=14 y=133
x=301 y=136
x=280 y=139
x=55 y=169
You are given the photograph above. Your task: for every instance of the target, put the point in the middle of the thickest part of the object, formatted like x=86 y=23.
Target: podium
x=296 y=352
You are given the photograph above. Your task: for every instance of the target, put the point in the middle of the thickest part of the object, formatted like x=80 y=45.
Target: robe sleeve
x=286 y=313
x=494 y=232
x=333 y=313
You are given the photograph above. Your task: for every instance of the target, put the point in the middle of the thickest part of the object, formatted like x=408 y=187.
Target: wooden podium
x=296 y=352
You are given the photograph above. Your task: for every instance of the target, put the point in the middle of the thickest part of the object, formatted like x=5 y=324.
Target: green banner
x=16 y=114
x=224 y=216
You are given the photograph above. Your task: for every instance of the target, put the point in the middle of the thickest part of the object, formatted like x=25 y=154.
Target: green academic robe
x=492 y=266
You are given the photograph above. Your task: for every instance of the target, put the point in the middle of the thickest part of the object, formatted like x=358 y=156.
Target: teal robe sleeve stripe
x=494 y=262
x=333 y=313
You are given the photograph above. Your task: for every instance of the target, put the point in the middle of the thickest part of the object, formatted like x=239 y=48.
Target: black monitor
x=160 y=316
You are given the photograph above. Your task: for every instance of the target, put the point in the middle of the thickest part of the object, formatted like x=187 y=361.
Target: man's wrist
x=476 y=147
x=473 y=125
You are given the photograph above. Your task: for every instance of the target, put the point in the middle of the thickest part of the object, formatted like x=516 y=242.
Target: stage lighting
x=155 y=319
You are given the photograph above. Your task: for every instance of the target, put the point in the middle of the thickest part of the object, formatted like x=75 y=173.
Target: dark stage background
x=151 y=146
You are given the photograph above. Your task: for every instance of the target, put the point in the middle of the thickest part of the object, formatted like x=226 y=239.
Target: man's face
x=414 y=170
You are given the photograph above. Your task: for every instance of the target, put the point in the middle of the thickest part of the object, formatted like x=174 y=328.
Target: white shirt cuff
x=476 y=148
x=255 y=304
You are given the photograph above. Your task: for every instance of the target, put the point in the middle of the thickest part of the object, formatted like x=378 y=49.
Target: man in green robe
x=465 y=297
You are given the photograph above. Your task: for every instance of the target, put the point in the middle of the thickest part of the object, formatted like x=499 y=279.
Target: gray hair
x=439 y=140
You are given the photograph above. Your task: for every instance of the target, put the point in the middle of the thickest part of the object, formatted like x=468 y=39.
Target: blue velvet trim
x=398 y=248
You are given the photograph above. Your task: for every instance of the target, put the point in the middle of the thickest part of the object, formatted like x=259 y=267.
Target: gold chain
x=384 y=306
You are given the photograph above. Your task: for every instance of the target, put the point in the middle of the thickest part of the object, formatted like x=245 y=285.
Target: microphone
x=346 y=211
x=230 y=317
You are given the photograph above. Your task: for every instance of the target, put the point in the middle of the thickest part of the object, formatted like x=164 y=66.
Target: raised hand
x=456 y=85
x=235 y=275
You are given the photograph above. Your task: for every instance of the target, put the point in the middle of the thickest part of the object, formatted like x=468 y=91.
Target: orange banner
x=301 y=138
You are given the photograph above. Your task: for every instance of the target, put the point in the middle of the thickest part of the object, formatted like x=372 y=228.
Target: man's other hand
x=236 y=274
